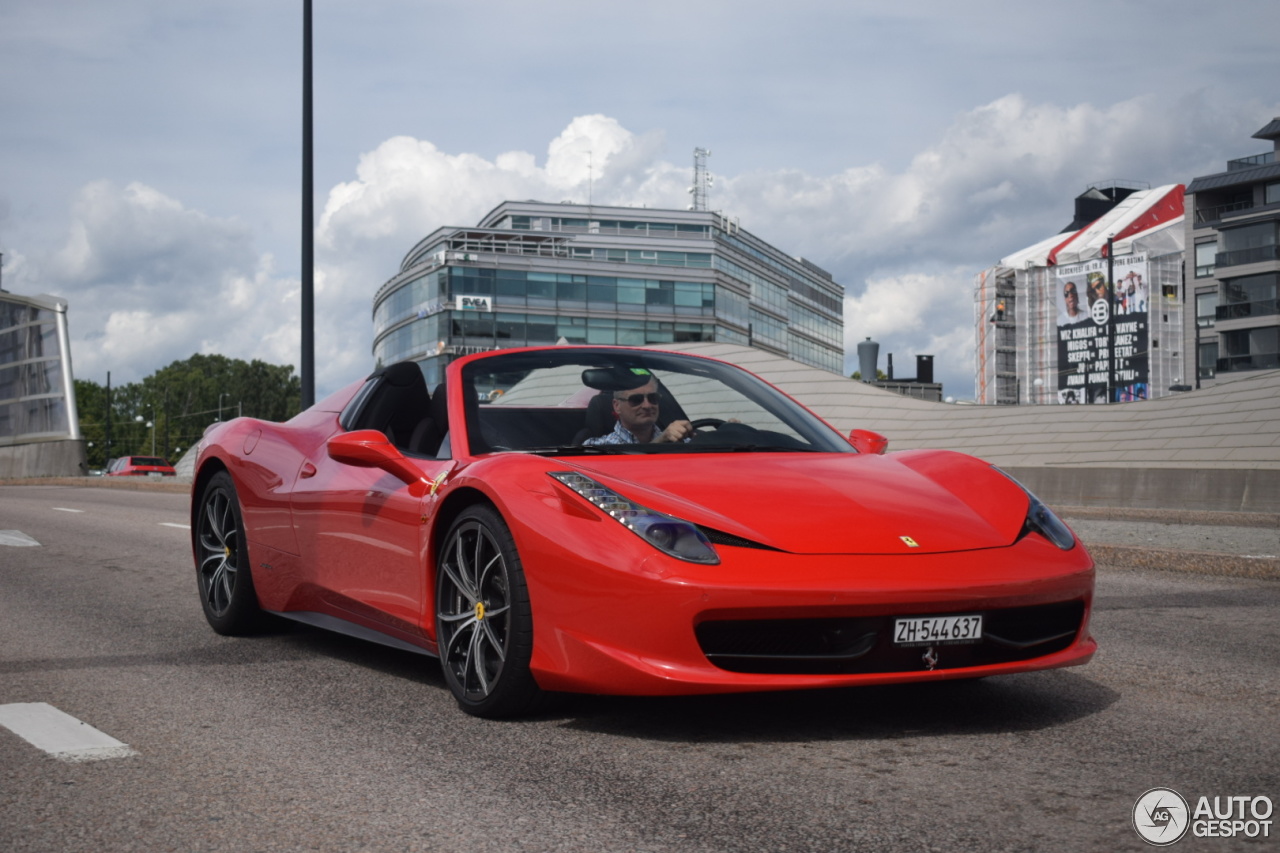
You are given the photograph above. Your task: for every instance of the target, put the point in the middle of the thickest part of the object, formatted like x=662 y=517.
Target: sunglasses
x=637 y=399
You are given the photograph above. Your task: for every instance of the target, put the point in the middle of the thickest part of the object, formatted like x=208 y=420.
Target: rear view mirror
x=866 y=441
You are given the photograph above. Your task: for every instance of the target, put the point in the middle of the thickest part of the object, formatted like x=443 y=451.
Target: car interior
x=520 y=415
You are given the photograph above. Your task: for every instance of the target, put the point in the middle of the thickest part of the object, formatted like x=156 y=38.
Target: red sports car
x=629 y=521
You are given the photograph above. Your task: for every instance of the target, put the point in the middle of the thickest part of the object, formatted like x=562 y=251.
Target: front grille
x=865 y=644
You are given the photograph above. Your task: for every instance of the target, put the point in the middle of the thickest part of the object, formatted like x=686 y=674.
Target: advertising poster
x=1090 y=313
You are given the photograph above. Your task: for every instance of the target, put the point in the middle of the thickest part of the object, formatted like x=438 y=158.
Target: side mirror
x=368 y=448
x=866 y=441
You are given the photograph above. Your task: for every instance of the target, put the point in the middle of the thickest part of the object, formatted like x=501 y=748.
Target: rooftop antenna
x=701 y=179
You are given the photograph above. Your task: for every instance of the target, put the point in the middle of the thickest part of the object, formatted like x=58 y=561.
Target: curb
x=1170 y=516
x=1192 y=562
x=135 y=484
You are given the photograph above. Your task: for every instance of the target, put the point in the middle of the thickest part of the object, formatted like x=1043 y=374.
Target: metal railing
x=1249 y=162
x=1254 y=255
x=1240 y=310
x=1252 y=361
x=1206 y=215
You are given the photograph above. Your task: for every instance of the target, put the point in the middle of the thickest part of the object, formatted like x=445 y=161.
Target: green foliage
x=880 y=375
x=181 y=400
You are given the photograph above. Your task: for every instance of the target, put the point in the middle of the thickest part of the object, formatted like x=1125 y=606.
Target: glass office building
x=535 y=273
x=39 y=427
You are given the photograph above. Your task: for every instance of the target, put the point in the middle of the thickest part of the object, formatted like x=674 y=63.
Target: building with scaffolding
x=535 y=273
x=1092 y=314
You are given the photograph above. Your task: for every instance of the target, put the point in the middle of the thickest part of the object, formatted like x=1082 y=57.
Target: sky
x=150 y=152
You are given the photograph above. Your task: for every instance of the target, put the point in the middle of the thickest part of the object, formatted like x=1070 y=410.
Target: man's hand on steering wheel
x=676 y=431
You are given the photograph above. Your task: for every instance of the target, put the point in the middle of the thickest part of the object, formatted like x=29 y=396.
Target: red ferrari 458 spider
x=628 y=521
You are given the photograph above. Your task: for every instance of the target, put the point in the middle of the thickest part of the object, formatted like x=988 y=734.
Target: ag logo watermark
x=1161 y=816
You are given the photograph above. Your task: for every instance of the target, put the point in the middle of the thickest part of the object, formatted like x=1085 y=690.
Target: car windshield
x=566 y=401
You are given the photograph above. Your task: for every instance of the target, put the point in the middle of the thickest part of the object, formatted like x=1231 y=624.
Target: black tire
x=222 y=561
x=484 y=624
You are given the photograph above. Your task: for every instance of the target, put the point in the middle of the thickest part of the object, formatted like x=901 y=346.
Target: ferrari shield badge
x=911 y=543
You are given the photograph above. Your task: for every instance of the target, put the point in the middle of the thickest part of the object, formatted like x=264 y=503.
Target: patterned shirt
x=620 y=435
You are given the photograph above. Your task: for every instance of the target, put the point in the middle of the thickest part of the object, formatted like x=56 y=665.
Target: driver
x=637 y=412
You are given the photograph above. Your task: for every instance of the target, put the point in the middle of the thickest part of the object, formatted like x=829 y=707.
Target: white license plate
x=937 y=630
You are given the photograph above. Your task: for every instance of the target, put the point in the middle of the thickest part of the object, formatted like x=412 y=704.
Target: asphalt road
x=299 y=740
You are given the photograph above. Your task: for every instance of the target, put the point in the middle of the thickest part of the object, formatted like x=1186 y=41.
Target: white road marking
x=67 y=509
x=17 y=539
x=60 y=734
x=179 y=526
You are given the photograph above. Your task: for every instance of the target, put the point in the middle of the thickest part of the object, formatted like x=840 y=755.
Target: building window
x=1206 y=309
x=1272 y=194
x=1205 y=253
x=1208 y=359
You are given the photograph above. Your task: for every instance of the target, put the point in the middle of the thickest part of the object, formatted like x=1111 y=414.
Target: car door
x=362 y=537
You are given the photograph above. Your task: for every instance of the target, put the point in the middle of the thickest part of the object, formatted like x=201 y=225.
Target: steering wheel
x=714 y=423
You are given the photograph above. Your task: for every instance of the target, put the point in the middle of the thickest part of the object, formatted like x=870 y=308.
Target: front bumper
x=618 y=617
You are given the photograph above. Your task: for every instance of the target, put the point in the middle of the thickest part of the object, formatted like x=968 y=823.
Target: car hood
x=828 y=503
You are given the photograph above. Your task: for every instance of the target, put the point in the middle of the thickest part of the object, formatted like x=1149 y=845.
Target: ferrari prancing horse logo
x=911 y=543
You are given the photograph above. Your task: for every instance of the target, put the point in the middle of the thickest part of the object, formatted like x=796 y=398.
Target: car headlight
x=674 y=536
x=1042 y=520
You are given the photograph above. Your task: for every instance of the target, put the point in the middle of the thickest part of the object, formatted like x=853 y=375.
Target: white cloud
x=914 y=314
x=150 y=280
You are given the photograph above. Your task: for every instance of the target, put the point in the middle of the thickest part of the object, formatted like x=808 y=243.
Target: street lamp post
x=150 y=424
x=220 y=396
x=1111 y=316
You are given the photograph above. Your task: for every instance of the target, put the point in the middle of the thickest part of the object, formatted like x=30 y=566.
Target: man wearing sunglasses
x=637 y=413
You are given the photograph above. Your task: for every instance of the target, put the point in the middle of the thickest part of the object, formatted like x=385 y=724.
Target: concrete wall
x=1193 y=489
x=44 y=459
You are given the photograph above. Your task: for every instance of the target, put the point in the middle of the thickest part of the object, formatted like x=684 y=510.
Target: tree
x=880 y=375
x=180 y=401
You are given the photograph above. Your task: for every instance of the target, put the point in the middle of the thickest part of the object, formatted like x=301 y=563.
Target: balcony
x=1210 y=215
x=1243 y=310
x=1257 y=254
x=1252 y=361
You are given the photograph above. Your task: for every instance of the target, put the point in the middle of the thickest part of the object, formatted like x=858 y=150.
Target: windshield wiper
x=768 y=448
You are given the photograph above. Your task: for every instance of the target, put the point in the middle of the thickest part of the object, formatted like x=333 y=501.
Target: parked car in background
x=140 y=466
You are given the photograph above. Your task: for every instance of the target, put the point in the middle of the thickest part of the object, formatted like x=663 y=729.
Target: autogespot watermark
x=1162 y=817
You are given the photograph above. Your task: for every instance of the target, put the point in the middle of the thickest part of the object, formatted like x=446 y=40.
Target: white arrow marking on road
x=60 y=734
x=17 y=539
x=179 y=526
x=67 y=509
